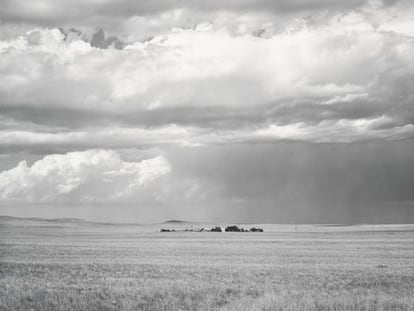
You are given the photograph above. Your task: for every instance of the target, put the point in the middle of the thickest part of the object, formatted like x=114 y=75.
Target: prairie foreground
x=66 y=265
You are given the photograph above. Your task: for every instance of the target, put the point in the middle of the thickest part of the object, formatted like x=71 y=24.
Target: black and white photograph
x=212 y=155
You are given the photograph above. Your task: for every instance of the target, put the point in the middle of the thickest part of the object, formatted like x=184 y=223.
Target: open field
x=69 y=265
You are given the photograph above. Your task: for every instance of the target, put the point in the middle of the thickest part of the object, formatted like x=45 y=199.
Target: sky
x=264 y=111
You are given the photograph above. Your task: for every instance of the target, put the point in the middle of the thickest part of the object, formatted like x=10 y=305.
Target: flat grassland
x=71 y=265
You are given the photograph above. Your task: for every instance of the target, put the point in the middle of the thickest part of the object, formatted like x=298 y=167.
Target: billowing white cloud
x=88 y=177
x=201 y=67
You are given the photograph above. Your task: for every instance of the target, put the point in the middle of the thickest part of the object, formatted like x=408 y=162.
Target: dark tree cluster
x=216 y=229
x=237 y=229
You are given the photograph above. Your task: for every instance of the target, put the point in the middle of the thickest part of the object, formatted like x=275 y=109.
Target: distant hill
x=79 y=221
x=71 y=220
x=174 y=221
x=63 y=220
x=59 y=220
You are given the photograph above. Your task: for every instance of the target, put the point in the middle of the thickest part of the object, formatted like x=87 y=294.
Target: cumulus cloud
x=88 y=177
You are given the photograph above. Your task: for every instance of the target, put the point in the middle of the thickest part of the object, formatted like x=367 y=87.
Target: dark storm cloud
x=61 y=117
x=282 y=112
x=52 y=13
x=292 y=182
x=99 y=40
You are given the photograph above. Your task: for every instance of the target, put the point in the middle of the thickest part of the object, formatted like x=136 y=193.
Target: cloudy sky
x=237 y=111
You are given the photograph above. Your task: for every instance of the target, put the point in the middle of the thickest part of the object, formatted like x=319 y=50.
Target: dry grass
x=50 y=266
